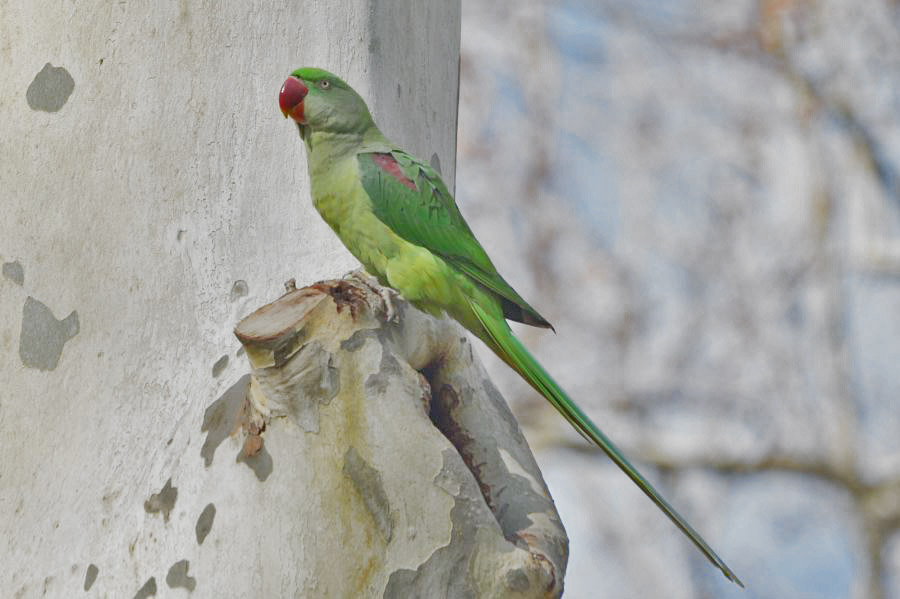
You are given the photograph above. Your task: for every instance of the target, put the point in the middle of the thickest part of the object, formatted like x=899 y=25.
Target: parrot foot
x=390 y=310
x=386 y=294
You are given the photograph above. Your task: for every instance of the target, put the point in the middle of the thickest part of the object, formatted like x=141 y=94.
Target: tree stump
x=397 y=469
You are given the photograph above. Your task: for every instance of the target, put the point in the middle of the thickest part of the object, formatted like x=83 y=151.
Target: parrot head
x=319 y=101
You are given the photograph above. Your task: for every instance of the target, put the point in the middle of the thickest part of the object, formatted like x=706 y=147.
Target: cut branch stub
x=275 y=332
x=409 y=457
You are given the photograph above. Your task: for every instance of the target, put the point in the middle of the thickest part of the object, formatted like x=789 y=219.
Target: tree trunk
x=390 y=465
x=152 y=194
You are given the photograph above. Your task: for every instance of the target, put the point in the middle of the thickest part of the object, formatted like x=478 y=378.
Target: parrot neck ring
x=290 y=100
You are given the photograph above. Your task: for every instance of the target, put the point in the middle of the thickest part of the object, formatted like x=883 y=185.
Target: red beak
x=291 y=99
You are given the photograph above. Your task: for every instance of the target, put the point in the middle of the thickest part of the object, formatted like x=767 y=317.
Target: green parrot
x=394 y=213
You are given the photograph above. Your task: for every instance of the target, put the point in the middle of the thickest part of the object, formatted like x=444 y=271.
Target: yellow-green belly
x=422 y=277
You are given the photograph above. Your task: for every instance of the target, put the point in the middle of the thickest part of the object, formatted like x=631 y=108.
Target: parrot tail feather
x=499 y=337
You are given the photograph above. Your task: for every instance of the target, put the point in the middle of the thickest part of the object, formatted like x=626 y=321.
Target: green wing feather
x=414 y=202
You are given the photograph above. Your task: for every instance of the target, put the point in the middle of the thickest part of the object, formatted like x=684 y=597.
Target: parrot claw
x=390 y=311
x=385 y=293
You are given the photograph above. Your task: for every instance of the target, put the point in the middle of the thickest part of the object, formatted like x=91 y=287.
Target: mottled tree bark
x=152 y=195
x=401 y=471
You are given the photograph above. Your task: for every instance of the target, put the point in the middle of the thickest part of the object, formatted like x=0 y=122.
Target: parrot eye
x=324 y=84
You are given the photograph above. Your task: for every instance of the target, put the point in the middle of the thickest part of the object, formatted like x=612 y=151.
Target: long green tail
x=500 y=338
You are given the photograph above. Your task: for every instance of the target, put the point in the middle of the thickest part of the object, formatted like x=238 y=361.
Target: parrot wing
x=409 y=197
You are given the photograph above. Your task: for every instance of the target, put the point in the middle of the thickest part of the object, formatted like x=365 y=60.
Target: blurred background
x=703 y=196
x=704 y=199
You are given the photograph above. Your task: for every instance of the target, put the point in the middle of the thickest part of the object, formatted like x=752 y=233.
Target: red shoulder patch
x=388 y=164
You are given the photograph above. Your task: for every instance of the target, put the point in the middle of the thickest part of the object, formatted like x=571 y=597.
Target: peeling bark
x=417 y=473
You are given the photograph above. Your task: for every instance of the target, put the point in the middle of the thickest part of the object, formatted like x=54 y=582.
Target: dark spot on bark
x=42 y=336
x=148 y=590
x=14 y=272
x=368 y=483
x=90 y=576
x=48 y=582
x=448 y=567
x=50 y=89
x=443 y=404
x=163 y=501
x=436 y=163
x=219 y=366
x=178 y=576
x=358 y=339
x=205 y=522
x=390 y=368
x=260 y=462
x=510 y=497
x=517 y=581
x=223 y=417
x=502 y=409
x=239 y=289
